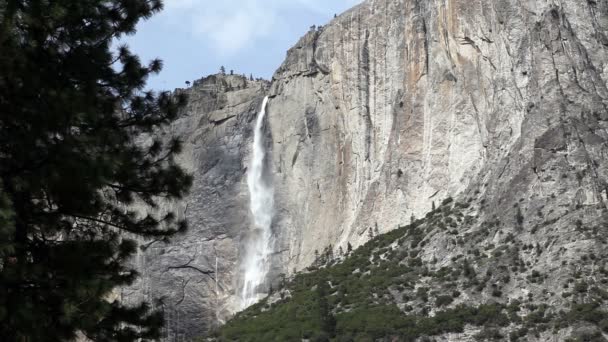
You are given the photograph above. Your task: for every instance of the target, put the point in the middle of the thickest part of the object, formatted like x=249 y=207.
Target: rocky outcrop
x=385 y=112
x=396 y=105
x=196 y=274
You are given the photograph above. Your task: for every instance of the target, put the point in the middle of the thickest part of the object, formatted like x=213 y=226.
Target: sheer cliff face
x=216 y=128
x=398 y=104
x=390 y=107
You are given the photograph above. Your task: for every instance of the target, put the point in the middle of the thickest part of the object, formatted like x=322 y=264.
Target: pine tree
x=349 y=248
x=222 y=70
x=327 y=319
x=70 y=170
x=323 y=257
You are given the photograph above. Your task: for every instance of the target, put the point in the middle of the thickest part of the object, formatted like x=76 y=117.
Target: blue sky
x=195 y=37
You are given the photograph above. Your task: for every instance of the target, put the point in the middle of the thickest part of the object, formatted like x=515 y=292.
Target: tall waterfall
x=256 y=261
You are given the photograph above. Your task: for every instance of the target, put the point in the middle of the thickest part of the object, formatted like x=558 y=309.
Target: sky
x=195 y=37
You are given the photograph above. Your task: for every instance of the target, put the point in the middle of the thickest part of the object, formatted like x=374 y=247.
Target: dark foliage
x=70 y=109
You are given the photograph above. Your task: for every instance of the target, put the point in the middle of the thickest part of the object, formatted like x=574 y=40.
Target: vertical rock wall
x=392 y=106
x=216 y=127
x=398 y=104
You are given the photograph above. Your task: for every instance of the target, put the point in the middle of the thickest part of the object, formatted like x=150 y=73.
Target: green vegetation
x=287 y=323
x=388 y=289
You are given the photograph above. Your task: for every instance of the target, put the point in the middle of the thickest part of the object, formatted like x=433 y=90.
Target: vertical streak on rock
x=364 y=92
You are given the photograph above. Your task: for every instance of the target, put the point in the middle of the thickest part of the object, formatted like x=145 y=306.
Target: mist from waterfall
x=258 y=249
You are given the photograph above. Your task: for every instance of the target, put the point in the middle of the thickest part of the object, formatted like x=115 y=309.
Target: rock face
x=216 y=127
x=398 y=104
x=389 y=109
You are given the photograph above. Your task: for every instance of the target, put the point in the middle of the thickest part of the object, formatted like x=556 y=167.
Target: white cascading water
x=258 y=249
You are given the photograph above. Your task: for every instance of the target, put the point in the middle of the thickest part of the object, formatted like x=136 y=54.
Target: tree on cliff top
x=70 y=109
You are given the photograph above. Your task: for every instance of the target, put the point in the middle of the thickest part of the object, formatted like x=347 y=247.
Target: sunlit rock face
x=398 y=104
x=388 y=108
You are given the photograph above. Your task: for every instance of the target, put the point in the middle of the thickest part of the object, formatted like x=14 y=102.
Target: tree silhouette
x=71 y=170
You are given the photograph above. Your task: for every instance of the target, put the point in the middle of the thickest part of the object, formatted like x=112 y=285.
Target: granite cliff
x=397 y=104
x=379 y=116
x=196 y=274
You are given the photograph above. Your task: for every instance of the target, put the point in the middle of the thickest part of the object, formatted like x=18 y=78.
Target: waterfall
x=258 y=248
